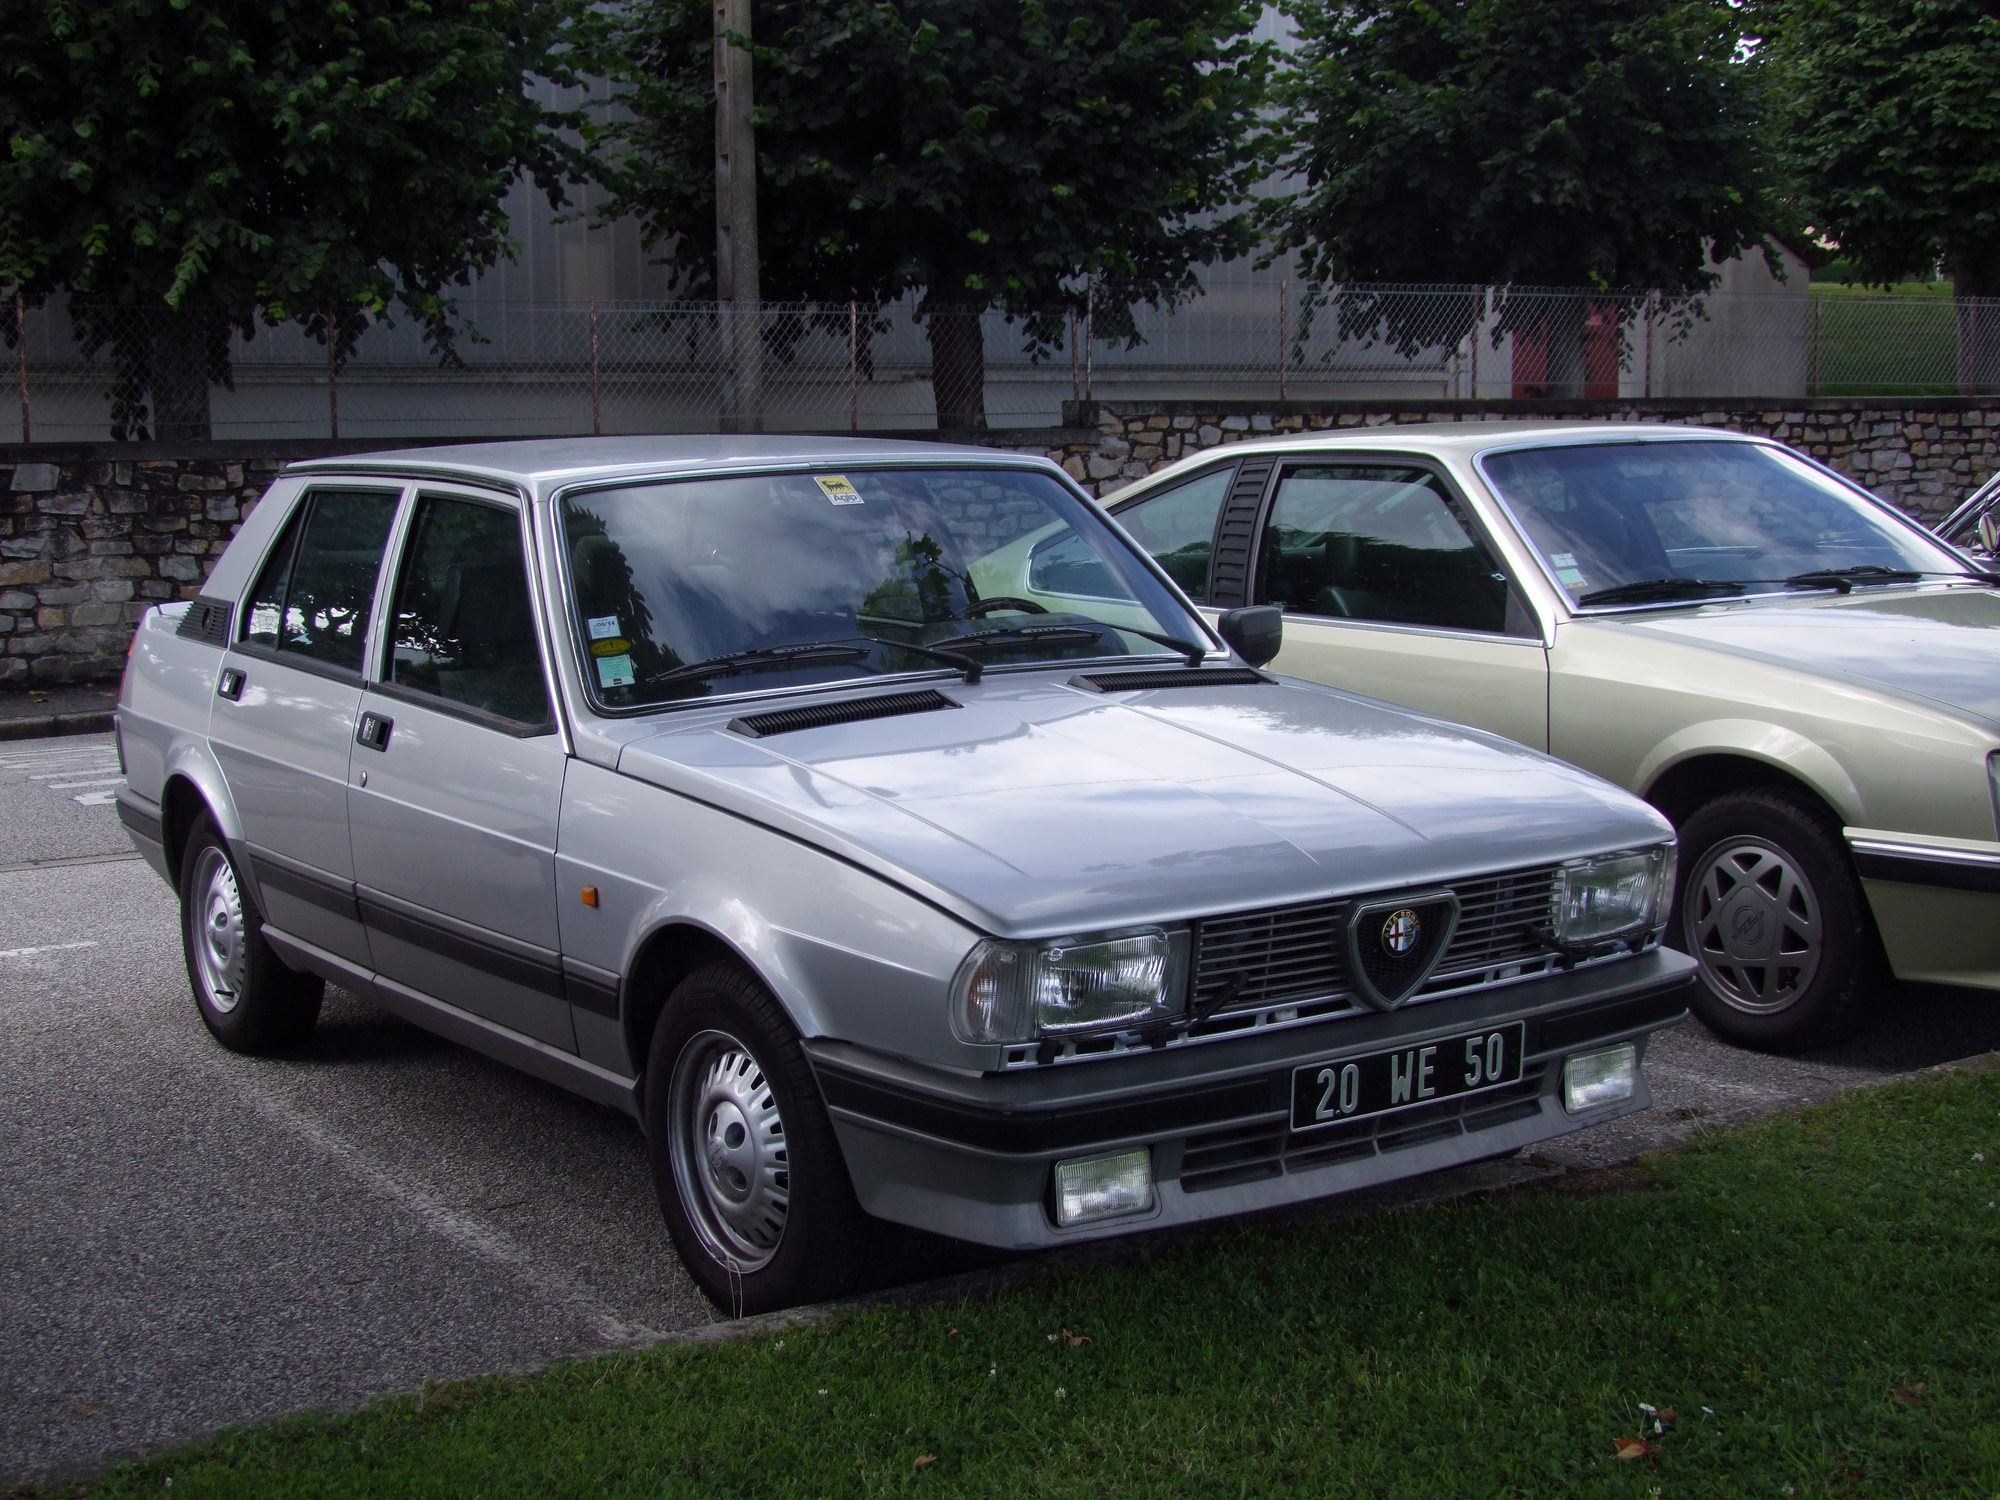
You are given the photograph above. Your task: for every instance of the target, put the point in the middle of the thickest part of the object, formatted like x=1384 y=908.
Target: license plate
x=1351 y=1088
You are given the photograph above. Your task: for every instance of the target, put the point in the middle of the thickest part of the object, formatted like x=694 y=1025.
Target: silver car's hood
x=1039 y=807
x=1942 y=645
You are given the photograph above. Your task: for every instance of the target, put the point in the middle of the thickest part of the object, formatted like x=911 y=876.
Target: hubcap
x=1753 y=922
x=215 y=911
x=727 y=1142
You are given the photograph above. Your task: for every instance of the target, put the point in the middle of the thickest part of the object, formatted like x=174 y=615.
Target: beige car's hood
x=1941 y=645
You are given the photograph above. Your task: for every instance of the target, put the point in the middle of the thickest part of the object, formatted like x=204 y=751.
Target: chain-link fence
x=90 y=371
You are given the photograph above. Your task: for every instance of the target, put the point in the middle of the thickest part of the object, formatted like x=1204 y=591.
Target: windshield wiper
x=1195 y=654
x=966 y=664
x=1844 y=579
x=801 y=654
x=1648 y=589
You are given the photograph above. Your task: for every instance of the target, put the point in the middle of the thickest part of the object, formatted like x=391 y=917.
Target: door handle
x=230 y=684
x=374 y=732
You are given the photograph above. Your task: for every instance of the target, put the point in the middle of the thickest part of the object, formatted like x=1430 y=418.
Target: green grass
x=1898 y=340
x=1816 y=1298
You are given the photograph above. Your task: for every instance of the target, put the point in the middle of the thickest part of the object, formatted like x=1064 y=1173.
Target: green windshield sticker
x=615 y=671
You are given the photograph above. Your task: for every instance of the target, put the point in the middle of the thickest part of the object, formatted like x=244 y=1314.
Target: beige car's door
x=1390 y=589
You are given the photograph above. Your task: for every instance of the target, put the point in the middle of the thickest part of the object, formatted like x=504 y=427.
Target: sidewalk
x=30 y=713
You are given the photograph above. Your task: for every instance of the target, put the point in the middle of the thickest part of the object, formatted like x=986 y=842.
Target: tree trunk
x=178 y=371
x=1565 y=333
x=958 y=365
x=1976 y=282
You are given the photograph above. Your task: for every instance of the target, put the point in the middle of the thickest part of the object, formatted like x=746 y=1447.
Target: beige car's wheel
x=1770 y=908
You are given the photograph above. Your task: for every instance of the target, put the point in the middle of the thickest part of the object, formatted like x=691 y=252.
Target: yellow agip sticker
x=837 y=489
x=612 y=647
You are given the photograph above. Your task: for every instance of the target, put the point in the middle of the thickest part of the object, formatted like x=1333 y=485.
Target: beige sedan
x=1806 y=682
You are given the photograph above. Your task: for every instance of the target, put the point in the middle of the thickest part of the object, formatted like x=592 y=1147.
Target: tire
x=1770 y=908
x=245 y=995
x=749 y=1174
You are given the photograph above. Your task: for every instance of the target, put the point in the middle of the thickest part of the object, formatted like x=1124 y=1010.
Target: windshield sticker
x=603 y=627
x=1563 y=559
x=1572 y=577
x=616 y=646
x=836 y=488
x=615 y=671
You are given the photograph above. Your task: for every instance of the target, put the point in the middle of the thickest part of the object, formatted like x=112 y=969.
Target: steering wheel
x=981 y=607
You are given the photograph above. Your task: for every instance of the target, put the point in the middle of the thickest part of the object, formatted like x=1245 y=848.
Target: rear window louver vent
x=853 y=711
x=1167 y=677
x=206 y=620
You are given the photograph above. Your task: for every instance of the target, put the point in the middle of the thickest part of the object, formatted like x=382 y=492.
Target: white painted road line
x=94 y=799
x=46 y=948
x=95 y=781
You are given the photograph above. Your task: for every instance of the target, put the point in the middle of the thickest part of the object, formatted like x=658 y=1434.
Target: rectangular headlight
x=1103 y=1187
x=1016 y=992
x=1613 y=895
x=1591 y=1079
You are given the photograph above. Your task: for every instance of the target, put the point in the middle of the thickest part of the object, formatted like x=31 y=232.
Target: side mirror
x=1254 y=632
x=1989 y=532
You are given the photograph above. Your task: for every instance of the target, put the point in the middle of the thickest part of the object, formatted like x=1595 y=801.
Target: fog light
x=1103 y=1187
x=1591 y=1079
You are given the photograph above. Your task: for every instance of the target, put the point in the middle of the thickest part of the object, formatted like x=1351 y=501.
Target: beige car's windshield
x=741 y=583
x=1652 y=522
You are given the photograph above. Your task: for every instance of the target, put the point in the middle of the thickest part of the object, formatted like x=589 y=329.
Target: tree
x=1890 y=116
x=986 y=153
x=183 y=168
x=1522 y=144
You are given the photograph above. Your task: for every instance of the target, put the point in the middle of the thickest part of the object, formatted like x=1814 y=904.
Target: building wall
x=92 y=535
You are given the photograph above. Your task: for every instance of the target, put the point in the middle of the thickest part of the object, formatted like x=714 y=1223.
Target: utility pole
x=736 y=221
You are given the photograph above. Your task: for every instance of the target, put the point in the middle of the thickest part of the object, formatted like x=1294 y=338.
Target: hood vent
x=852 y=711
x=1167 y=677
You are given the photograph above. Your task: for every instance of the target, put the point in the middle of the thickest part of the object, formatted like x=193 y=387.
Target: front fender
x=1769 y=744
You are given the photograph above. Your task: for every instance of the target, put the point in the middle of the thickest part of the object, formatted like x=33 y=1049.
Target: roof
x=540 y=462
x=1466 y=438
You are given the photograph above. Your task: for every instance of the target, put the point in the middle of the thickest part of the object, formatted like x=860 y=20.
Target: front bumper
x=972 y=1156
x=1936 y=905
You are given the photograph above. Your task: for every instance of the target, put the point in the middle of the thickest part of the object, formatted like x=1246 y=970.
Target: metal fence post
x=1089 y=314
x=1478 y=327
x=1284 y=318
x=332 y=376
x=853 y=366
x=596 y=399
x=1075 y=361
x=1649 y=347
x=21 y=344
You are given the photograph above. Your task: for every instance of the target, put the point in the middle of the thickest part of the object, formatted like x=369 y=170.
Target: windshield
x=1607 y=516
x=699 y=587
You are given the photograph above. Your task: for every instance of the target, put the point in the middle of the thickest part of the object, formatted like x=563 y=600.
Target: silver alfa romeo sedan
x=722 y=780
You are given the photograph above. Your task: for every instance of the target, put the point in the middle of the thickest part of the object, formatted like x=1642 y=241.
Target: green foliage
x=183 y=167
x=1890 y=114
x=990 y=153
x=1519 y=143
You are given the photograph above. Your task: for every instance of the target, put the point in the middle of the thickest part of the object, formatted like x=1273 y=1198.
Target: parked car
x=1803 y=679
x=723 y=781
x=1974 y=525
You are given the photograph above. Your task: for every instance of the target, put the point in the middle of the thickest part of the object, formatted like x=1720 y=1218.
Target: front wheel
x=245 y=995
x=1770 y=908
x=749 y=1175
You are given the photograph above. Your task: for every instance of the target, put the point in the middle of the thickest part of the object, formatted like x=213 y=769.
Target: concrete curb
x=40 y=726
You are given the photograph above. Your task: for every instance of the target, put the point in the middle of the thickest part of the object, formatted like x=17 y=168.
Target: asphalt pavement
x=196 y=1239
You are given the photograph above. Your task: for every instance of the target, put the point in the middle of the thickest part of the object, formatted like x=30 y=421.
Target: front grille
x=1251 y=959
x=1255 y=1153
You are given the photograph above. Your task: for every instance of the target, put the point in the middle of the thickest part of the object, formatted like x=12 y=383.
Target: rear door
x=286 y=703
x=457 y=772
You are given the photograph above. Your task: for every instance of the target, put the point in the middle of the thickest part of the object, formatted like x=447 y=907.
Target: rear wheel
x=1770 y=907
x=244 y=993
x=748 y=1172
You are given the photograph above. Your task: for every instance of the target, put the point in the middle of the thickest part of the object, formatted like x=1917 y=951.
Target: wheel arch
x=1708 y=761
x=665 y=956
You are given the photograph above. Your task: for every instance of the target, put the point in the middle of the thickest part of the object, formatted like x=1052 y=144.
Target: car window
x=1612 y=513
x=866 y=568
x=316 y=592
x=1177 y=526
x=1377 y=543
x=464 y=628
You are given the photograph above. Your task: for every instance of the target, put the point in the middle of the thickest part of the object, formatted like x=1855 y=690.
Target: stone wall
x=91 y=535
